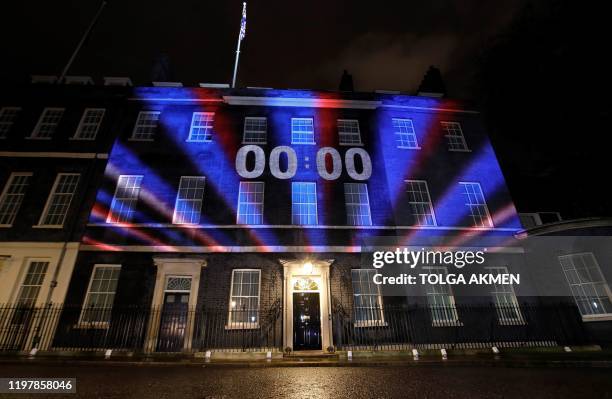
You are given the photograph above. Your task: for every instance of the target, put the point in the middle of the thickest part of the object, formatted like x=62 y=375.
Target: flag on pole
x=243 y=22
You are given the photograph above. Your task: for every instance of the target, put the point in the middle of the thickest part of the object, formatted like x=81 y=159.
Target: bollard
x=444 y=354
x=495 y=350
x=108 y=353
x=415 y=354
x=269 y=356
x=33 y=352
x=349 y=354
x=207 y=356
x=567 y=349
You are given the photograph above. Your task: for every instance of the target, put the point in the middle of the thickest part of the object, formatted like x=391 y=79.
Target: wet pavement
x=423 y=382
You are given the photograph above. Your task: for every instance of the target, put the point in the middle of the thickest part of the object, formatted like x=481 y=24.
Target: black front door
x=173 y=322
x=306 y=321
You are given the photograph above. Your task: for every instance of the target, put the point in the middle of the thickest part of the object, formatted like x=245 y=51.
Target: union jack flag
x=243 y=22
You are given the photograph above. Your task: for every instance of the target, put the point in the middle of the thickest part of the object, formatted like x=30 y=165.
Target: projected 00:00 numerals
x=292 y=162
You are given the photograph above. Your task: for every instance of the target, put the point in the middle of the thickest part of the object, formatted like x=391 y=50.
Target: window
x=420 y=203
x=255 y=130
x=304 y=203
x=90 y=123
x=367 y=301
x=506 y=304
x=125 y=198
x=348 y=132
x=33 y=280
x=188 y=206
x=201 y=127
x=12 y=197
x=59 y=200
x=357 y=204
x=49 y=119
x=146 y=125
x=100 y=294
x=475 y=201
x=441 y=301
x=244 y=298
x=404 y=133
x=250 y=202
x=8 y=116
x=302 y=131
x=589 y=288
x=454 y=136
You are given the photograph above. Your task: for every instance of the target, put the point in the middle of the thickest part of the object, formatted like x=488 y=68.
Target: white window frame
x=294 y=204
x=206 y=128
x=136 y=126
x=398 y=134
x=109 y=217
x=456 y=127
x=97 y=324
x=35 y=135
x=51 y=196
x=21 y=195
x=241 y=325
x=258 y=205
x=469 y=205
x=7 y=125
x=83 y=124
x=509 y=313
x=24 y=277
x=246 y=131
x=357 y=205
x=595 y=286
x=350 y=134
x=293 y=141
x=437 y=310
x=371 y=311
x=199 y=201
x=414 y=204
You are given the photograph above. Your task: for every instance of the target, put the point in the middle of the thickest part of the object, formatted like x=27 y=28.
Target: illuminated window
x=12 y=197
x=302 y=131
x=201 y=127
x=475 y=201
x=367 y=301
x=255 y=130
x=506 y=304
x=8 y=116
x=90 y=123
x=304 y=203
x=59 y=200
x=189 y=197
x=589 y=288
x=146 y=125
x=357 y=204
x=47 y=123
x=420 y=203
x=441 y=300
x=125 y=199
x=404 y=133
x=244 y=298
x=33 y=280
x=100 y=294
x=250 y=202
x=348 y=132
x=454 y=136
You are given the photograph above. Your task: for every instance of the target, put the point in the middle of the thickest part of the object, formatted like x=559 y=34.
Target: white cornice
x=301 y=102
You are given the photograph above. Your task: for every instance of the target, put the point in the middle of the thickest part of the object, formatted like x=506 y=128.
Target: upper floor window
x=348 y=132
x=454 y=136
x=244 y=298
x=357 y=204
x=506 y=304
x=405 y=135
x=201 y=127
x=303 y=203
x=59 y=200
x=255 y=130
x=420 y=203
x=146 y=125
x=302 y=131
x=32 y=282
x=100 y=294
x=12 y=197
x=589 y=287
x=89 y=124
x=8 y=116
x=125 y=199
x=476 y=204
x=250 y=202
x=367 y=300
x=441 y=300
x=189 y=198
x=47 y=123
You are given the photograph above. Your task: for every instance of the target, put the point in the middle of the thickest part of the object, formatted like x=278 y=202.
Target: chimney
x=346 y=82
x=432 y=84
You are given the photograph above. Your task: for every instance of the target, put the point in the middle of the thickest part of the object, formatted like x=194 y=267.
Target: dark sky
x=289 y=44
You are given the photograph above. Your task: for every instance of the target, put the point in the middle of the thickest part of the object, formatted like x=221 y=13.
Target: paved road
x=423 y=382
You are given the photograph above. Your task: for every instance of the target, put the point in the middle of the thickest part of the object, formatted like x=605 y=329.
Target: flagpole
x=85 y=35
x=240 y=37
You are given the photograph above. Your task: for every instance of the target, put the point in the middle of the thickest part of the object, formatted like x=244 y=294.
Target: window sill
x=370 y=323
x=468 y=150
x=146 y=140
x=37 y=138
x=254 y=143
x=198 y=141
x=598 y=317
x=100 y=325
x=408 y=148
x=47 y=226
x=6 y=225
x=81 y=139
x=292 y=143
x=351 y=144
x=242 y=326
x=512 y=323
x=449 y=323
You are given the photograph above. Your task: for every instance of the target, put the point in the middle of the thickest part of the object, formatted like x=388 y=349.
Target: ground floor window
x=244 y=298
x=504 y=297
x=441 y=300
x=100 y=294
x=589 y=288
x=367 y=301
